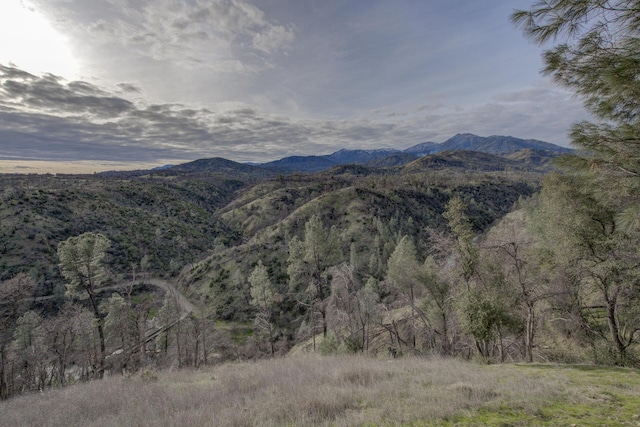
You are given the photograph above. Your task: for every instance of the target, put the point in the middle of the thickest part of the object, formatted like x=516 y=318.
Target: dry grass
x=294 y=391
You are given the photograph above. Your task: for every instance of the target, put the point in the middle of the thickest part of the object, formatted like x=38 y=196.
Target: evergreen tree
x=601 y=259
x=82 y=264
x=263 y=298
x=308 y=267
x=403 y=268
x=462 y=229
x=598 y=57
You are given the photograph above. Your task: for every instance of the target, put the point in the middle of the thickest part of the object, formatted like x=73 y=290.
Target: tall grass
x=295 y=391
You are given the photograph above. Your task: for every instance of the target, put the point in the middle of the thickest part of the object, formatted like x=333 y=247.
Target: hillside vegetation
x=169 y=219
x=460 y=254
x=206 y=226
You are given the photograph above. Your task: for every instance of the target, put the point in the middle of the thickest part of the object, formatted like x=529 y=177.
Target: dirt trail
x=185 y=306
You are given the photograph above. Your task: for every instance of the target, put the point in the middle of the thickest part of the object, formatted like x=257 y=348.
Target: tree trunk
x=500 y=346
x=614 y=329
x=178 y=343
x=529 y=333
x=445 y=335
x=204 y=341
x=142 y=338
x=103 y=347
x=273 y=349
x=4 y=390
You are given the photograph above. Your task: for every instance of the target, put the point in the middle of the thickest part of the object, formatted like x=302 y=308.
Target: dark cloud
x=12 y=72
x=50 y=92
x=129 y=87
x=46 y=118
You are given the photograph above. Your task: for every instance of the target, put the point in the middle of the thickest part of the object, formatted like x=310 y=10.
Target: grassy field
x=343 y=391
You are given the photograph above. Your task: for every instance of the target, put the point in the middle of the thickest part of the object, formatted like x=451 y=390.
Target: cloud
x=224 y=35
x=129 y=87
x=50 y=93
x=273 y=38
x=47 y=118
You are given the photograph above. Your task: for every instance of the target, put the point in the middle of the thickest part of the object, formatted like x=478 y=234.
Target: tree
x=512 y=246
x=485 y=315
x=263 y=298
x=308 y=267
x=29 y=350
x=82 y=264
x=353 y=309
x=403 y=268
x=168 y=321
x=483 y=306
x=462 y=229
x=62 y=335
x=437 y=305
x=369 y=313
x=14 y=294
x=598 y=57
x=602 y=258
x=120 y=327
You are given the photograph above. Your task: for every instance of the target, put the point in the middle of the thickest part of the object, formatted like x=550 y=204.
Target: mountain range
x=497 y=145
x=524 y=152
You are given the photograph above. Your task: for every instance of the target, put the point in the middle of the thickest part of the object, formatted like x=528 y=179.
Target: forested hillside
x=219 y=232
x=168 y=219
x=457 y=254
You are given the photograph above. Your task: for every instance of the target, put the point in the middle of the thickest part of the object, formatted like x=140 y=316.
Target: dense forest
x=459 y=254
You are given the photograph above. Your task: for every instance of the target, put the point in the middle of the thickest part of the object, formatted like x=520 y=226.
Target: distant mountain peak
x=494 y=144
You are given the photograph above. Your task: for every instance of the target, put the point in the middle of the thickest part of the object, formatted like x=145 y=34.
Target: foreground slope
x=343 y=391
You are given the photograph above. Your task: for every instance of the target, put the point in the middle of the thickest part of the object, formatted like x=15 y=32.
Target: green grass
x=590 y=396
x=310 y=390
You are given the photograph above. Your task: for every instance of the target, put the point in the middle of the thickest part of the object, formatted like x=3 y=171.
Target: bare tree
x=14 y=299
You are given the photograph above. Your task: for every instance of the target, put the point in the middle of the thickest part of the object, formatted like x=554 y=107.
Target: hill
x=171 y=220
x=368 y=207
x=216 y=166
x=320 y=163
x=179 y=214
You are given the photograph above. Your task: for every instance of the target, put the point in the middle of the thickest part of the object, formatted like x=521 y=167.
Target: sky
x=89 y=85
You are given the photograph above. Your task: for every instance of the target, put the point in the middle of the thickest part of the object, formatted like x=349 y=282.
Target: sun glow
x=29 y=41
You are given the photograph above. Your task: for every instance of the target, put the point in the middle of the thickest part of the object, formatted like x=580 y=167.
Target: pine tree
x=263 y=298
x=462 y=229
x=82 y=264
x=308 y=267
x=597 y=56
